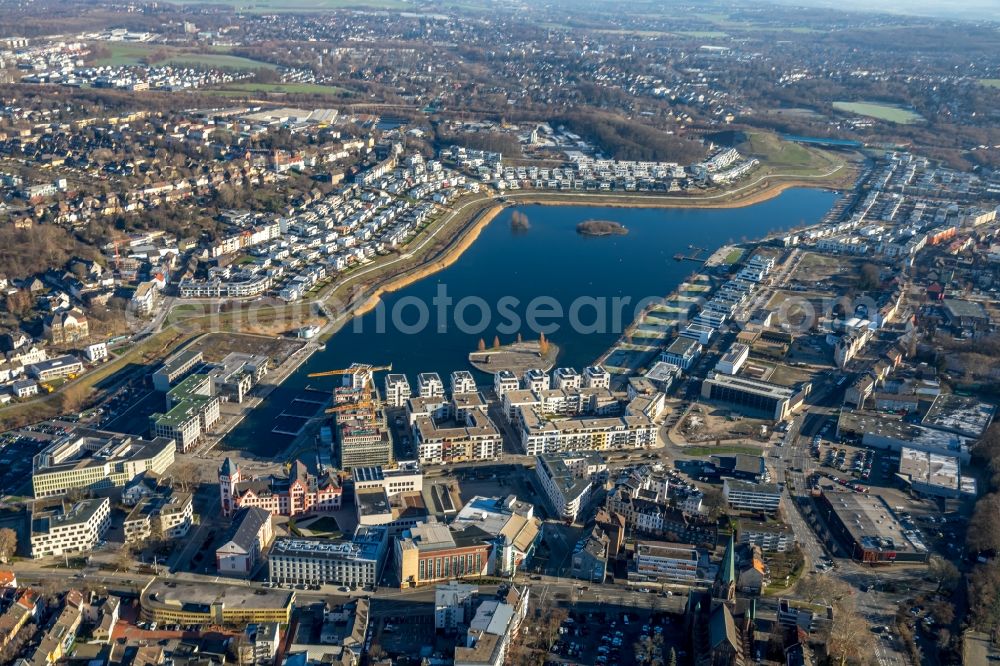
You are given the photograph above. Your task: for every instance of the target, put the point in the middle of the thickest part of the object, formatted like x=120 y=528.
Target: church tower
x=725 y=582
x=229 y=476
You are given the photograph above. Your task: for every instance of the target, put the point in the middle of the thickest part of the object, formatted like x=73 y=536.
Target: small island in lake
x=601 y=228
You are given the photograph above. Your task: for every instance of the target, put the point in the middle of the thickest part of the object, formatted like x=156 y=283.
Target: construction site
x=358 y=430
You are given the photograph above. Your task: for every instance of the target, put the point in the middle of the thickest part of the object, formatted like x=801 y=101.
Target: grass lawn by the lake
x=990 y=83
x=887 y=112
x=788 y=158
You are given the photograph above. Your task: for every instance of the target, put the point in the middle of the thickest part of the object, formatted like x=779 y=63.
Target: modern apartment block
x=95 y=460
x=69 y=528
x=397 y=390
x=567 y=480
x=168 y=516
x=666 y=562
x=469 y=435
x=462 y=382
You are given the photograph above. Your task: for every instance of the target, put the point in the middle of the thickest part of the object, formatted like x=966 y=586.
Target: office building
x=734 y=358
x=356 y=563
x=511 y=522
x=168 y=515
x=682 y=352
x=66 y=528
x=773 y=400
x=95 y=460
x=431 y=553
x=405 y=477
x=55 y=368
x=175 y=368
x=754 y=497
x=170 y=601
x=192 y=409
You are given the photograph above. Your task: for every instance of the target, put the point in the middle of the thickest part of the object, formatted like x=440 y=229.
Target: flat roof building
x=69 y=528
x=870 y=529
x=748 y=496
x=567 y=479
x=95 y=460
x=935 y=474
x=171 y=601
x=354 y=563
x=176 y=367
x=776 y=401
x=961 y=415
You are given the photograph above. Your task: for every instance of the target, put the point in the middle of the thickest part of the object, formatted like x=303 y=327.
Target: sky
x=956 y=9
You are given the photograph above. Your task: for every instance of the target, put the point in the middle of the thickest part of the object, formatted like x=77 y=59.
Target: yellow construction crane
x=363 y=404
x=358 y=367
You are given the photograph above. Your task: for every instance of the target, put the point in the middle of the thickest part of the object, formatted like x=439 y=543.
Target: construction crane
x=363 y=404
x=361 y=380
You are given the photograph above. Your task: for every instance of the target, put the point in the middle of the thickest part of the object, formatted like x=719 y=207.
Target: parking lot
x=617 y=637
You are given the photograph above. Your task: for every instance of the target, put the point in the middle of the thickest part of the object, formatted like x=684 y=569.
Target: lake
x=512 y=281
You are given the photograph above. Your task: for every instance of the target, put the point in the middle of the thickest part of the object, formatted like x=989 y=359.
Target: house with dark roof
x=246 y=541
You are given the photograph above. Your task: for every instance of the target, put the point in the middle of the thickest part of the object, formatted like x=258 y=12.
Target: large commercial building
x=234 y=377
x=297 y=494
x=776 y=401
x=734 y=358
x=175 y=368
x=665 y=562
x=432 y=553
x=354 y=563
x=192 y=409
x=54 y=368
x=682 y=352
x=935 y=474
x=170 y=601
x=94 y=460
x=69 y=528
x=405 y=477
x=889 y=431
x=870 y=529
x=748 y=496
x=508 y=520
x=568 y=480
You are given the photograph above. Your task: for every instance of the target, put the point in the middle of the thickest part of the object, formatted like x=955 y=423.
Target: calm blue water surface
x=549 y=261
